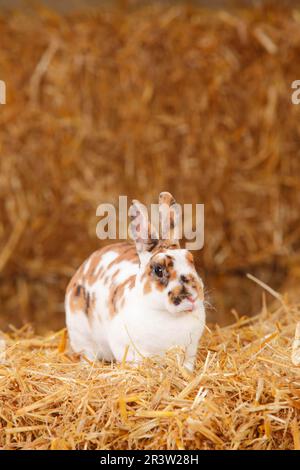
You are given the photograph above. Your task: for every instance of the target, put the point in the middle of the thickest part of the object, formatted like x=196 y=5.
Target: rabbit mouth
x=190 y=308
x=188 y=304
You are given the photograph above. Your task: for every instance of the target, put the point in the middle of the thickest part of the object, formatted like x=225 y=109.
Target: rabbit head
x=168 y=277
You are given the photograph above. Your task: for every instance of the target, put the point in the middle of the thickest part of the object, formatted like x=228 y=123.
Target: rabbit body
x=133 y=303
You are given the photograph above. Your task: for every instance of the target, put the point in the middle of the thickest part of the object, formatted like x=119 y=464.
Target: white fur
x=147 y=325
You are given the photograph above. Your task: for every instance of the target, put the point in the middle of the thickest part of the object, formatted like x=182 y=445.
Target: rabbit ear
x=143 y=233
x=169 y=218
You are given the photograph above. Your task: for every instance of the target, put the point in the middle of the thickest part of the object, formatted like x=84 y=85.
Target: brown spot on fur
x=131 y=283
x=194 y=283
x=190 y=259
x=93 y=273
x=128 y=253
x=115 y=274
x=170 y=267
x=147 y=287
x=116 y=295
x=166 y=245
x=177 y=294
x=166 y=263
x=90 y=308
x=111 y=301
x=76 y=279
x=200 y=291
x=78 y=298
x=177 y=291
x=144 y=234
x=77 y=291
x=125 y=251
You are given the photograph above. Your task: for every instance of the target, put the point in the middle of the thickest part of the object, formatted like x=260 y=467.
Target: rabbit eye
x=158 y=270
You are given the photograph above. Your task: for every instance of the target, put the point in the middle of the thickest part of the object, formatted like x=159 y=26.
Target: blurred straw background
x=138 y=99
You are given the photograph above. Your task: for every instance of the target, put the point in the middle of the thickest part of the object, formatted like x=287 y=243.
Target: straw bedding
x=244 y=393
x=94 y=111
x=136 y=101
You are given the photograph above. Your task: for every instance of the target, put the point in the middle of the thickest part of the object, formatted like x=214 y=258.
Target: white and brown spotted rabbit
x=143 y=297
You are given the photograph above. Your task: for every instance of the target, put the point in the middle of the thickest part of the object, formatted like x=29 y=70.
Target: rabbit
x=137 y=299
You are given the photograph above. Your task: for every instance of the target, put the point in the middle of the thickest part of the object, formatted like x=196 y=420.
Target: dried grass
x=244 y=394
x=135 y=101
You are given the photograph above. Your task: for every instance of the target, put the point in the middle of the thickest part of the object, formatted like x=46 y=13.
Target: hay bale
x=94 y=110
x=244 y=393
